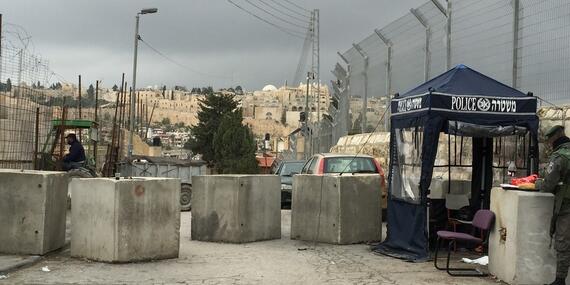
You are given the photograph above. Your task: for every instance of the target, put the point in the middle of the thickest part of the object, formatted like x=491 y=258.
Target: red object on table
x=528 y=179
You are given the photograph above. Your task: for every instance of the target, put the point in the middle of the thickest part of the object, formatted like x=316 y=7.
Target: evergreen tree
x=212 y=109
x=8 y=85
x=90 y=96
x=239 y=90
x=165 y=122
x=115 y=87
x=208 y=90
x=234 y=146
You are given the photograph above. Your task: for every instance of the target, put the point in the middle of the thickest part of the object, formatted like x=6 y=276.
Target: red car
x=331 y=163
x=334 y=163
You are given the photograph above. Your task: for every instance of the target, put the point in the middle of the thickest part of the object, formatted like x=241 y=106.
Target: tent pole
x=448 y=162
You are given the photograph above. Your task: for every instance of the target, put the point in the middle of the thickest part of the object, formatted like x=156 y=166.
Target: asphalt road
x=268 y=262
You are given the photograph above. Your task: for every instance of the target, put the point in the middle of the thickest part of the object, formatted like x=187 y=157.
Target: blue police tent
x=461 y=102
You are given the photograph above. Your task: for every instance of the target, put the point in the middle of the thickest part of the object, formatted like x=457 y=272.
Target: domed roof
x=269 y=88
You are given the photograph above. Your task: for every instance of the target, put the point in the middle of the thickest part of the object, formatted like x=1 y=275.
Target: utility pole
x=318 y=76
x=306 y=130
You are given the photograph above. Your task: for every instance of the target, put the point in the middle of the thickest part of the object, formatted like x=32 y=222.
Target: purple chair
x=483 y=220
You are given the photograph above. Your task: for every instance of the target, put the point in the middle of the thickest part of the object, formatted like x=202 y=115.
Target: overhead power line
x=291 y=10
x=283 y=29
x=297 y=6
x=304 y=21
x=275 y=16
x=180 y=64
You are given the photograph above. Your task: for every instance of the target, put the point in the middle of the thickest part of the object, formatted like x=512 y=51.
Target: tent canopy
x=466 y=95
x=461 y=101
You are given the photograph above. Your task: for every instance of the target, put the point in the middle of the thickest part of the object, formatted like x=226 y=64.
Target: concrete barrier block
x=125 y=220
x=33 y=206
x=236 y=208
x=336 y=209
x=519 y=244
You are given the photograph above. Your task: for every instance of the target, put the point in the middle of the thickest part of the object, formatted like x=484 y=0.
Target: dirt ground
x=269 y=262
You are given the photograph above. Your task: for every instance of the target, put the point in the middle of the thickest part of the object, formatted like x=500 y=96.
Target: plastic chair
x=483 y=220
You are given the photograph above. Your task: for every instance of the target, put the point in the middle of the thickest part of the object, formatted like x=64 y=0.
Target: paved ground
x=269 y=262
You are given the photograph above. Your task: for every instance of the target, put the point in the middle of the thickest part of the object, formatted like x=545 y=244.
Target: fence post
x=516 y=18
x=344 y=100
x=36 y=138
x=96 y=119
x=20 y=63
x=388 y=77
x=427 y=28
x=448 y=35
x=1 y=50
x=365 y=100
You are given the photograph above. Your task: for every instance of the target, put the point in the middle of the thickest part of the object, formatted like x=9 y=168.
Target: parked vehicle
x=143 y=166
x=334 y=163
x=331 y=163
x=286 y=169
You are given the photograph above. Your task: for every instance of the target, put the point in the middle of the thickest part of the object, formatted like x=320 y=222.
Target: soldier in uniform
x=557 y=181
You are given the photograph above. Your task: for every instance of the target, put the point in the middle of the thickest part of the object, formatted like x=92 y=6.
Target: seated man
x=76 y=156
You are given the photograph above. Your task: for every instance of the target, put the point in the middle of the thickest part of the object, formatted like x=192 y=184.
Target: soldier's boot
x=558 y=281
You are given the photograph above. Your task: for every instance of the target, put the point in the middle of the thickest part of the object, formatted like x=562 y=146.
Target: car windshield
x=350 y=165
x=291 y=167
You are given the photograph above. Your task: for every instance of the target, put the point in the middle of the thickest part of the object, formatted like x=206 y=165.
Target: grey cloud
x=94 y=38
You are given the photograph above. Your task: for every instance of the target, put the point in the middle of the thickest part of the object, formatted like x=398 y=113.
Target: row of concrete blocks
x=112 y=220
x=331 y=209
x=139 y=219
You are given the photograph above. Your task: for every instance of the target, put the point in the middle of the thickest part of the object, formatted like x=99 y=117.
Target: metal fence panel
x=544 y=49
x=521 y=43
x=482 y=37
x=437 y=50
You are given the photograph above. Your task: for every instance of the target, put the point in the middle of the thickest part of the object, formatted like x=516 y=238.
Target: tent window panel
x=510 y=153
x=454 y=151
x=407 y=164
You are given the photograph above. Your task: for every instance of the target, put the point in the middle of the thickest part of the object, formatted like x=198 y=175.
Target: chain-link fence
x=25 y=123
x=20 y=67
x=521 y=43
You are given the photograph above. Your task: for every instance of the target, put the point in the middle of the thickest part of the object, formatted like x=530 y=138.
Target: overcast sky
x=227 y=45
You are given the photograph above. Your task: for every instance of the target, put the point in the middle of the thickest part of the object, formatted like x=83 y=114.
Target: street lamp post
x=133 y=97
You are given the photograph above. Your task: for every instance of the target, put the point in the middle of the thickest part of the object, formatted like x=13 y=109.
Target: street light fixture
x=148 y=11
x=133 y=96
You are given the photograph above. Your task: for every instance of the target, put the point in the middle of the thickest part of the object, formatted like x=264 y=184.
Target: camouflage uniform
x=557 y=181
